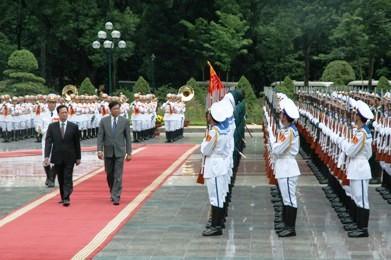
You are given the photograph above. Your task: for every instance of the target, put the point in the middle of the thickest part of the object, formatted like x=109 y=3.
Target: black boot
x=362 y=223
x=289 y=230
x=280 y=226
x=215 y=228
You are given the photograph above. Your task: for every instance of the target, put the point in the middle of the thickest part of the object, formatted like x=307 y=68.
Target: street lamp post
x=110 y=40
x=153 y=71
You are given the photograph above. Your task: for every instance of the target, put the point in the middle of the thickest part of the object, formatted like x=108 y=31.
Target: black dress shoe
x=386 y=196
x=347 y=220
x=379 y=189
x=116 y=203
x=212 y=231
x=350 y=227
x=360 y=232
x=287 y=232
x=340 y=209
x=343 y=215
x=66 y=203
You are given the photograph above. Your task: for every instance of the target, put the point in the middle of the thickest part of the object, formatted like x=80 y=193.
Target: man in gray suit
x=114 y=145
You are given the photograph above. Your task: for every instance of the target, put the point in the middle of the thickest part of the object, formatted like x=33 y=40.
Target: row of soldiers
x=24 y=117
x=221 y=151
x=342 y=133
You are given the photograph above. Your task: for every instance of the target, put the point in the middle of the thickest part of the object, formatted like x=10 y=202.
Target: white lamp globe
x=96 y=45
x=121 y=44
x=102 y=35
x=109 y=26
x=115 y=34
x=108 y=44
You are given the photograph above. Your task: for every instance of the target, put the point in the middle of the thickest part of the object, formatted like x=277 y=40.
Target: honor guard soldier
x=286 y=170
x=46 y=118
x=359 y=151
x=215 y=149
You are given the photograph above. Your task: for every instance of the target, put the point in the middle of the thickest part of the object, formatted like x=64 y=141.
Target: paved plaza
x=169 y=224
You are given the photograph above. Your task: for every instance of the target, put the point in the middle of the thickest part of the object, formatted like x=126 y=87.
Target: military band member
x=284 y=149
x=6 y=118
x=169 y=117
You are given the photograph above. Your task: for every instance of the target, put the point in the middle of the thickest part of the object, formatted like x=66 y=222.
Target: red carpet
x=35 y=152
x=51 y=231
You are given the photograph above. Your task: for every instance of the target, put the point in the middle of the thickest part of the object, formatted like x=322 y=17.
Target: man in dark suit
x=62 y=146
x=114 y=145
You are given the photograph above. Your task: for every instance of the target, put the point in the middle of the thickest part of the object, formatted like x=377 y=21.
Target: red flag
x=216 y=89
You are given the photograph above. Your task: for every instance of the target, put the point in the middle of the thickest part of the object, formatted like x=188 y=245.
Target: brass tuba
x=186 y=92
x=69 y=90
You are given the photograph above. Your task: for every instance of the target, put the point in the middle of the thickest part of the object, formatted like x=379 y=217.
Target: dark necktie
x=114 y=124
x=51 y=114
x=62 y=130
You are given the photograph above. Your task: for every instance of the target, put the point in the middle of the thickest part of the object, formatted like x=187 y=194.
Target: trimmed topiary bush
x=141 y=86
x=253 y=107
x=20 y=77
x=87 y=88
x=339 y=71
x=383 y=84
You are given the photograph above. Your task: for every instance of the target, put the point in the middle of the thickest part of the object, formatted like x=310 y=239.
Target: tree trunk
x=371 y=71
x=43 y=58
x=19 y=26
x=307 y=57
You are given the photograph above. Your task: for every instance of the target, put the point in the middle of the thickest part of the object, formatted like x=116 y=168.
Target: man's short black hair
x=113 y=104
x=60 y=107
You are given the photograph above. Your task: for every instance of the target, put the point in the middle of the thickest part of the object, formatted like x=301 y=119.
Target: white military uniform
x=215 y=149
x=359 y=150
x=286 y=168
x=169 y=115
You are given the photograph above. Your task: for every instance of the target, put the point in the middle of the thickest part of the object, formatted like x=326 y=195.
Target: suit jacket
x=114 y=143
x=63 y=150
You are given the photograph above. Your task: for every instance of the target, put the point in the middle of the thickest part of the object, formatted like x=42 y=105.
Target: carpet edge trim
x=113 y=224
